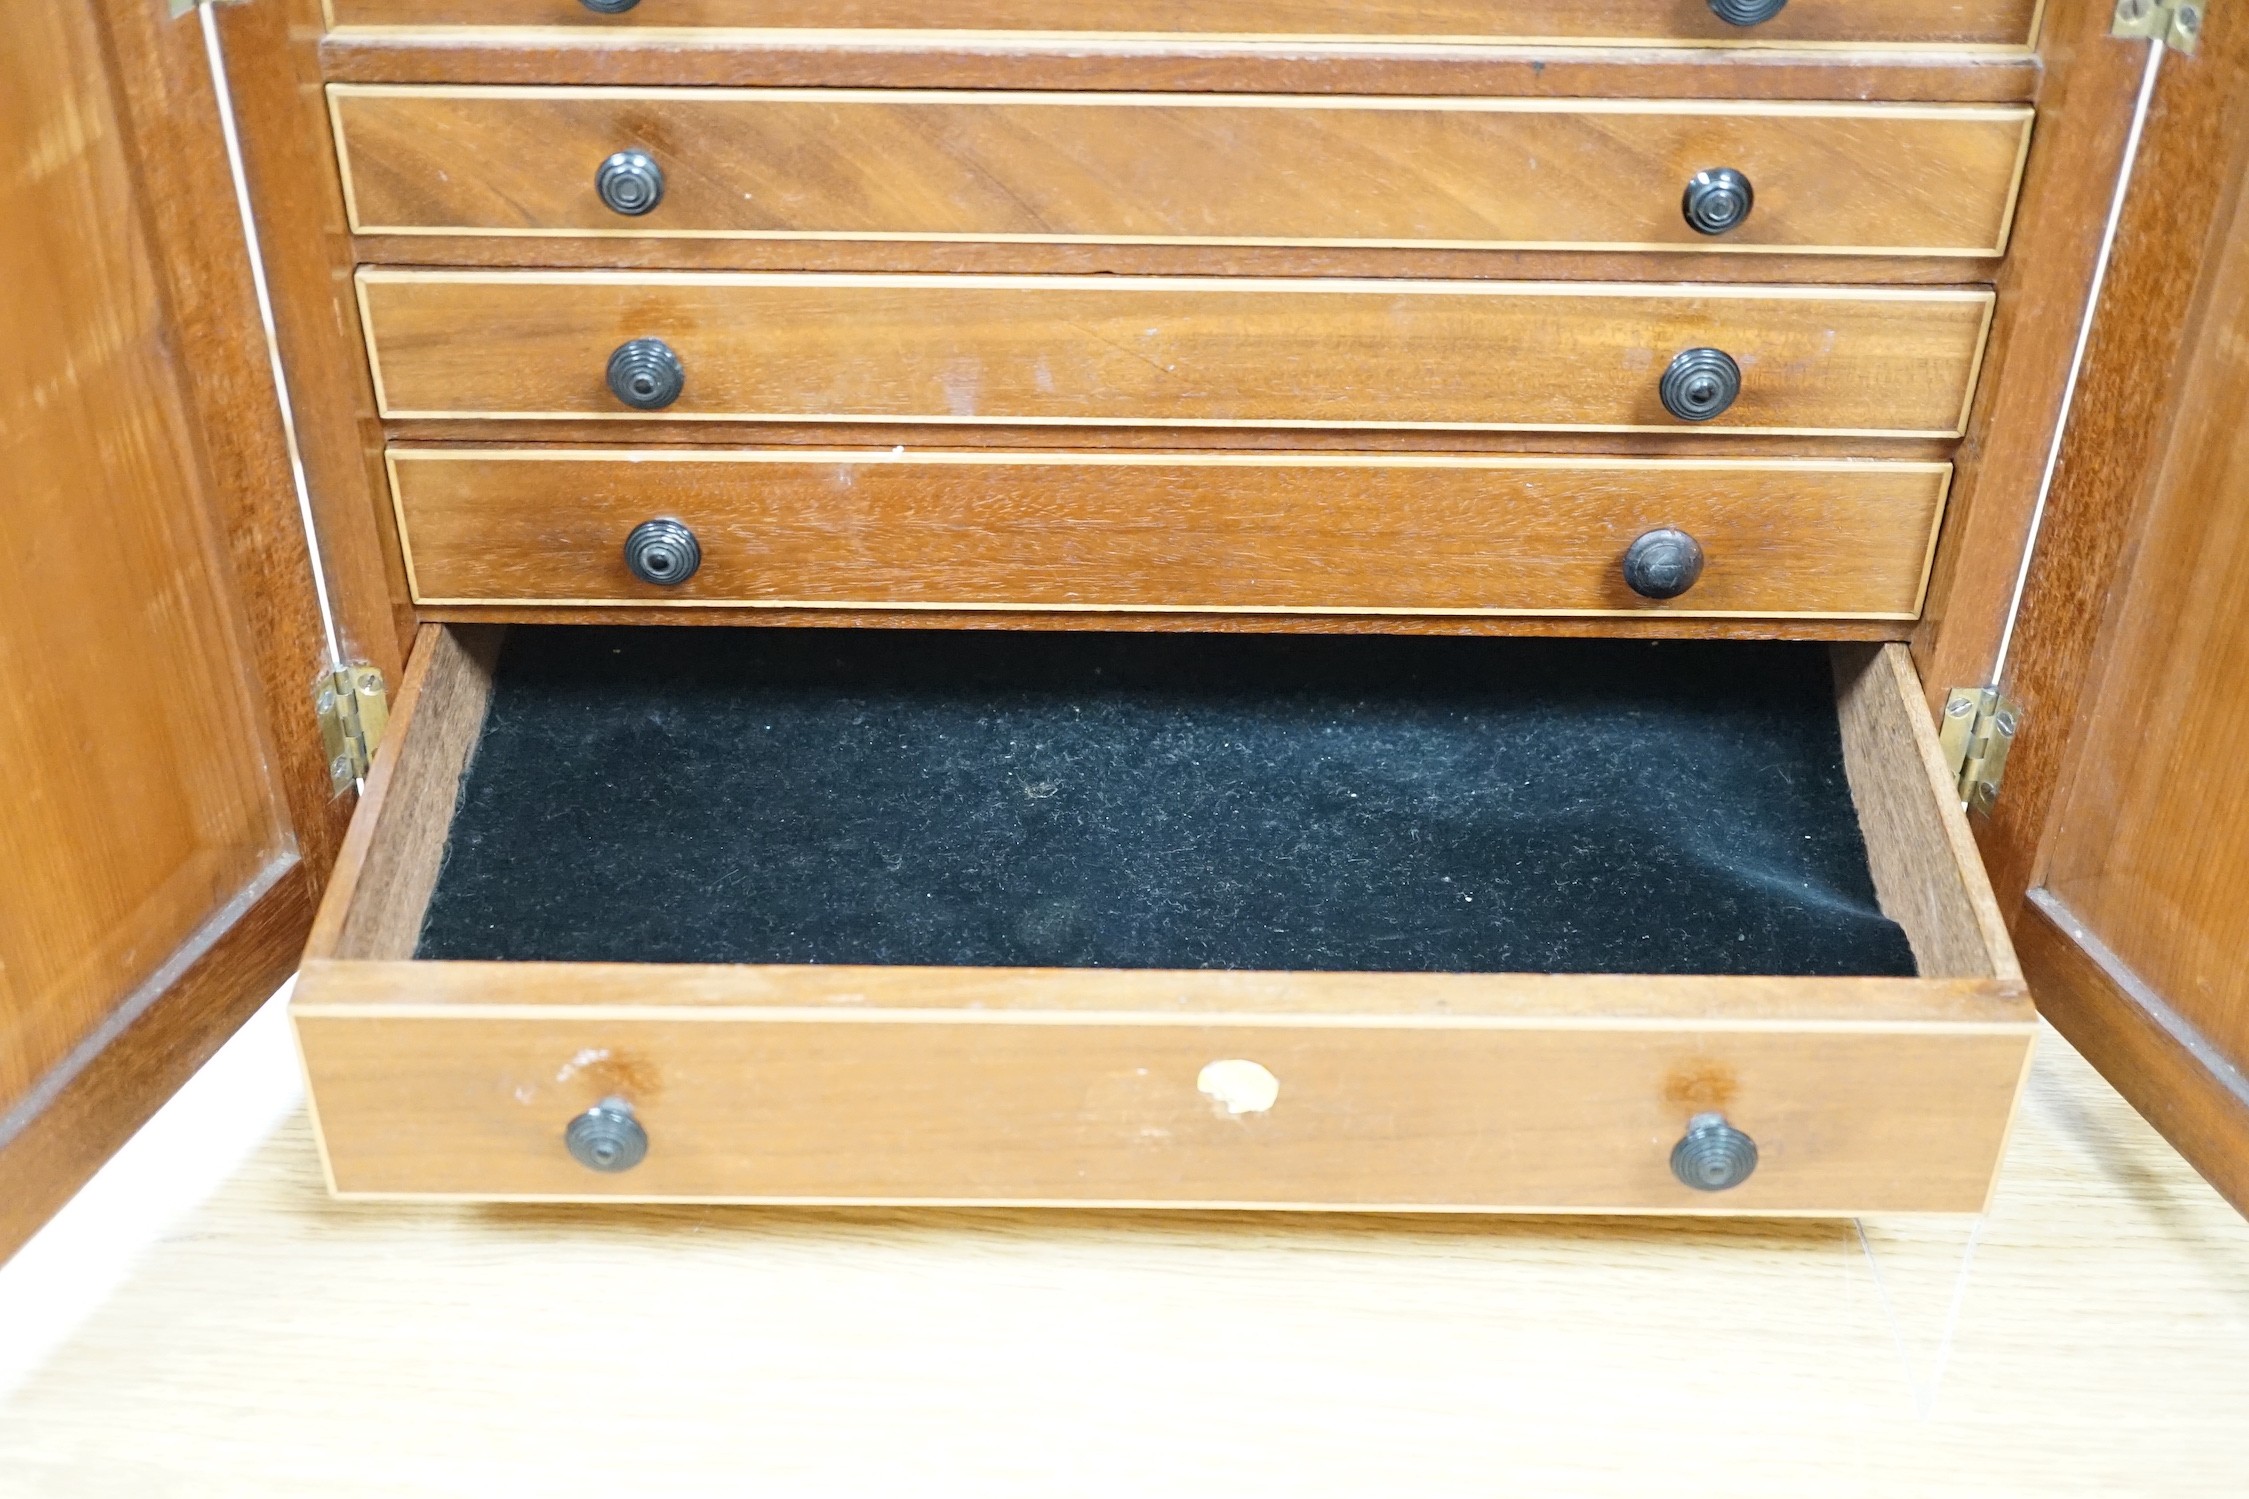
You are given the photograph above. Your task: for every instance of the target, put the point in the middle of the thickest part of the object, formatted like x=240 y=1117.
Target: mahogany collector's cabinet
x=1248 y=479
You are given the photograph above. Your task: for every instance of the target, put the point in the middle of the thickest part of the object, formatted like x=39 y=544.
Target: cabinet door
x=166 y=815
x=2122 y=827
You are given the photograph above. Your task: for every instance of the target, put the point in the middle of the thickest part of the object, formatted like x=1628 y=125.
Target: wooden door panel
x=2150 y=846
x=2122 y=832
x=161 y=842
x=132 y=812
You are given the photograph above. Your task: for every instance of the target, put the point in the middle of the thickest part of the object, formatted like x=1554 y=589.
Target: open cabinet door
x=2121 y=833
x=166 y=808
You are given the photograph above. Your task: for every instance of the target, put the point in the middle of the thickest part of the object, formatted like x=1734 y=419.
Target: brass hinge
x=2177 y=24
x=1978 y=729
x=353 y=707
x=184 y=7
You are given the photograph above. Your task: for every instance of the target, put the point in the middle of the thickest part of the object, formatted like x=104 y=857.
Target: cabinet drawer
x=1161 y=920
x=1998 y=23
x=1169 y=351
x=1204 y=532
x=1178 y=168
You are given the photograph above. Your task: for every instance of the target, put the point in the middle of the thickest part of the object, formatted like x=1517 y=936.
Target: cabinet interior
x=1039 y=800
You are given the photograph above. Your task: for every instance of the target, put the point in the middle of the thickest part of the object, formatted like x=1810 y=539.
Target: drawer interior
x=1093 y=799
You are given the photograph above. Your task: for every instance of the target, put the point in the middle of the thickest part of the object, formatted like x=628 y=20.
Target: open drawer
x=1001 y=917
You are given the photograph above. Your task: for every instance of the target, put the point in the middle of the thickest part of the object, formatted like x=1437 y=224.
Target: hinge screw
x=1959 y=707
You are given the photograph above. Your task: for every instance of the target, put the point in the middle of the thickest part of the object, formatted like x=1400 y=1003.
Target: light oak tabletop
x=2090 y=1335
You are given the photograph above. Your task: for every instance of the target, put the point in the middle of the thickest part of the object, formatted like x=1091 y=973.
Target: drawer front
x=1118 y=1103
x=1138 y=531
x=1171 y=351
x=2003 y=23
x=1180 y=168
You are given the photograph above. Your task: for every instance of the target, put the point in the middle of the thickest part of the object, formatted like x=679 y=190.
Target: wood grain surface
x=1926 y=870
x=382 y=884
x=2087 y=88
x=677 y=57
x=744 y=1105
x=128 y=819
x=1148 y=531
x=1088 y=351
x=165 y=812
x=2150 y=842
x=2159 y=1059
x=271 y=55
x=1195 y=168
x=1993 y=23
x=2118 y=838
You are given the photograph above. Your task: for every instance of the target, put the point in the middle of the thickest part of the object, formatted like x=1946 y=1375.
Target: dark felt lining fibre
x=1170 y=801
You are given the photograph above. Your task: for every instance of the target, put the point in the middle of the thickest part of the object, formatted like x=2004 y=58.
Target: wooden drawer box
x=856 y=1071
x=1983 y=23
x=1095 y=531
x=1177 y=168
x=1171 y=351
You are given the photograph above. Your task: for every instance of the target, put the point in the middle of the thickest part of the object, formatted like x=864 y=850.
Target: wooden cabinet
x=1261 y=328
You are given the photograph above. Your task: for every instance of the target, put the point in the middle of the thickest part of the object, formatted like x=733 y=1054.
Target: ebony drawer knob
x=1732 y=12
x=662 y=552
x=609 y=7
x=1698 y=385
x=631 y=183
x=607 y=1137
x=645 y=374
x=1662 y=564
x=1715 y=201
x=1712 y=1155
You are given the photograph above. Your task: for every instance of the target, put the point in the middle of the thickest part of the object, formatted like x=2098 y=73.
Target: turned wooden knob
x=663 y=552
x=646 y=375
x=1732 y=12
x=1699 y=384
x=630 y=183
x=1662 y=564
x=1716 y=200
x=607 y=1137
x=1713 y=1155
